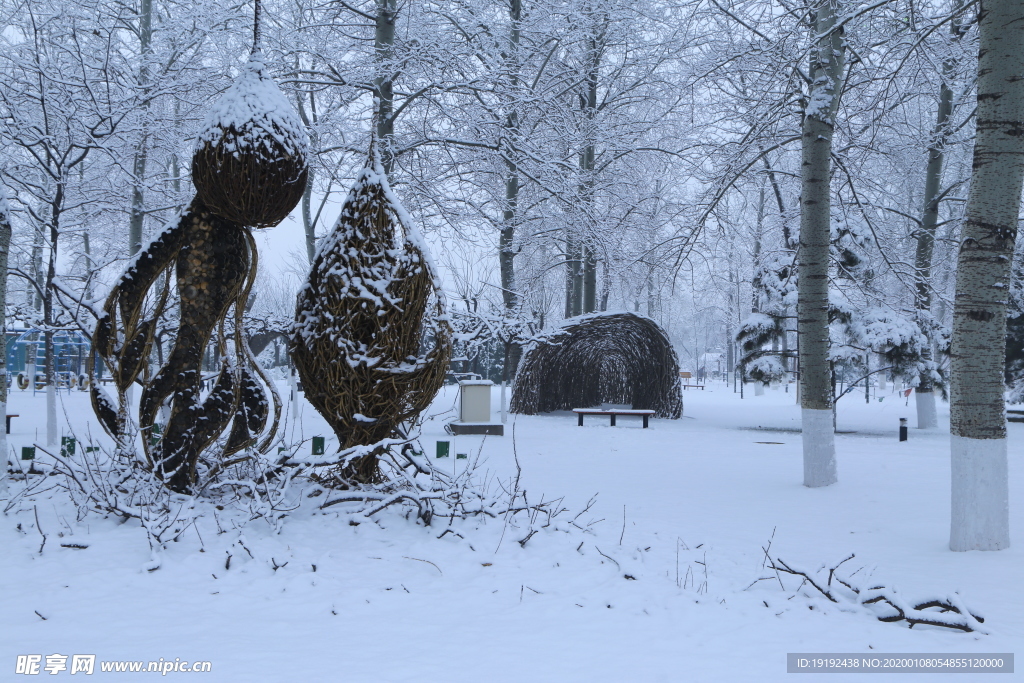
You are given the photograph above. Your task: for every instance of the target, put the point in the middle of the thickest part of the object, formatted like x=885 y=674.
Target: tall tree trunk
x=138 y=207
x=588 y=100
x=310 y=119
x=589 y=280
x=573 y=273
x=606 y=285
x=581 y=278
x=787 y=237
x=980 y=488
x=48 y=317
x=577 y=282
x=5 y=250
x=510 y=211
x=510 y=146
x=756 y=288
x=925 y=393
x=34 y=297
x=383 y=43
x=827 y=64
x=309 y=230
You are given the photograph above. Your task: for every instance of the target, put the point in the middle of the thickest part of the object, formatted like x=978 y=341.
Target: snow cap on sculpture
x=250 y=164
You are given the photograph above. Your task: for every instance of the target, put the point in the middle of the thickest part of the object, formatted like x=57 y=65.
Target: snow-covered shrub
x=766 y=369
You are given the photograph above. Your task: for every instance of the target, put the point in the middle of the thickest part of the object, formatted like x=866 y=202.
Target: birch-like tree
x=5 y=251
x=927 y=417
x=828 y=61
x=980 y=485
x=59 y=105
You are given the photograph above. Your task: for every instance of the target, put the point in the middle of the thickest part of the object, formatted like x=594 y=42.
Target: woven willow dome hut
x=600 y=358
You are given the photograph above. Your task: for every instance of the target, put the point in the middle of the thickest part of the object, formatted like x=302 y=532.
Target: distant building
x=713 y=363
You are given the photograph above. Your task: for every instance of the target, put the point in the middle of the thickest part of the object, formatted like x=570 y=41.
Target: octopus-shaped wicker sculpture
x=249 y=170
x=371 y=341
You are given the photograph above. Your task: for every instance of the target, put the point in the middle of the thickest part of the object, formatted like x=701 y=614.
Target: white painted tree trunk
x=51 y=414
x=819 y=447
x=927 y=414
x=5 y=249
x=980 y=500
x=981 y=495
x=827 y=66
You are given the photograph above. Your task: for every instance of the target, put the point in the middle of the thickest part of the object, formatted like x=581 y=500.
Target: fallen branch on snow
x=946 y=613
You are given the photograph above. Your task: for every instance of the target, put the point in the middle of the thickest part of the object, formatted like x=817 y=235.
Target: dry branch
x=946 y=613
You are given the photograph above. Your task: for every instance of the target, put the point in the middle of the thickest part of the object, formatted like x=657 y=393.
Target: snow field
x=389 y=601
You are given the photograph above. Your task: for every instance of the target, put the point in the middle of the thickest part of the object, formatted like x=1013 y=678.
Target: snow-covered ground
x=665 y=588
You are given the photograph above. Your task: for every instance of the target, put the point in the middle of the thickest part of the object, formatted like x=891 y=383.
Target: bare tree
x=828 y=59
x=980 y=487
x=5 y=250
x=933 y=195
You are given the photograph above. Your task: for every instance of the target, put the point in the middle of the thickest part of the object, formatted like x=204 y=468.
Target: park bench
x=1014 y=415
x=612 y=413
x=686 y=377
x=9 y=422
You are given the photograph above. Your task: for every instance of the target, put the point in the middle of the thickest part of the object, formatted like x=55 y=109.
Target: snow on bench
x=612 y=413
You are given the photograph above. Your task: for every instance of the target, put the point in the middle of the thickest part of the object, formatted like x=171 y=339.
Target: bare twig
x=35 y=511
x=427 y=561
x=610 y=558
x=912 y=614
x=622 y=535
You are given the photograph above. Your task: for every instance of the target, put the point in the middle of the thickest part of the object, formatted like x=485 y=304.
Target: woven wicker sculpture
x=250 y=168
x=370 y=342
x=601 y=358
x=250 y=164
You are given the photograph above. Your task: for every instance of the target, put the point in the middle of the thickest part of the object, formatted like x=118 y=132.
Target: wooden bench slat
x=603 y=411
x=612 y=413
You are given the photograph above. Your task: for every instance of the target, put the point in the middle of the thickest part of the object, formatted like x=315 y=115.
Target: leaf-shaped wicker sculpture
x=371 y=341
x=250 y=162
x=600 y=358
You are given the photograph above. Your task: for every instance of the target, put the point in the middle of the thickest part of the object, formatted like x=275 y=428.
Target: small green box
x=282 y=449
x=461 y=456
x=318 y=445
x=67 y=445
x=28 y=452
x=155 y=433
x=443 y=448
x=92 y=449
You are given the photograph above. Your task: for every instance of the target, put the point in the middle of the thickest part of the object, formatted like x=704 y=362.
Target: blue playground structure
x=26 y=354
